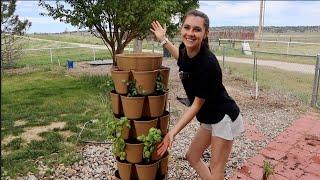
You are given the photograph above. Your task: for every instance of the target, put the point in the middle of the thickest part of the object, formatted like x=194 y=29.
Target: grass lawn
x=40 y=99
x=297 y=84
x=43 y=57
x=29 y=43
x=74 y=38
x=230 y=52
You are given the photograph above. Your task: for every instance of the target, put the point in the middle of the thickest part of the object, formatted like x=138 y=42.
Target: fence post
x=224 y=54
x=51 y=55
x=255 y=74
x=315 y=88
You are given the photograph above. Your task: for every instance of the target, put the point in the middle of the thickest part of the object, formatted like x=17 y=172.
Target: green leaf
x=132 y=18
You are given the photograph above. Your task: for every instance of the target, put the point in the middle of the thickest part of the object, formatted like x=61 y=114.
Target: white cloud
x=224 y=12
x=29 y=7
x=247 y=12
x=41 y=20
x=27 y=4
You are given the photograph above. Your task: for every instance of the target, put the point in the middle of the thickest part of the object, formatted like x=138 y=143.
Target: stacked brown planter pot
x=144 y=112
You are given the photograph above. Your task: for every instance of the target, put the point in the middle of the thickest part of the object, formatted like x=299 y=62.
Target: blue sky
x=221 y=13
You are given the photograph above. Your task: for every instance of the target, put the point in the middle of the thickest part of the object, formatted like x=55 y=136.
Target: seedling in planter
x=116 y=127
x=150 y=141
x=160 y=88
x=267 y=170
x=132 y=90
x=110 y=84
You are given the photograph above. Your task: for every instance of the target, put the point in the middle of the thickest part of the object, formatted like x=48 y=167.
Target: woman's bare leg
x=199 y=144
x=220 y=155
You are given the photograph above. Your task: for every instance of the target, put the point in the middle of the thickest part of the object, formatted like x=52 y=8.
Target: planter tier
x=125 y=170
x=143 y=112
x=147 y=172
x=134 y=152
x=120 y=79
x=145 y=81
x=165 y=71
x=163 y=168
x=156 y=105
x=128 y=170
x=125 y=130
x=163 y=123
x=142 y=127
x=139 y=61
x=116 y=103
x=132 y=106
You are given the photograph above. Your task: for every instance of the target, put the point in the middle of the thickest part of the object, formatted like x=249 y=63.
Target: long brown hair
x=205 y=41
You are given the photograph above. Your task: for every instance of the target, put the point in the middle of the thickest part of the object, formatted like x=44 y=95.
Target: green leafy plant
x=267 y=170
x=116 y=128
x=126 y=23
x=132 y=90
x=150 y=141
x=110 y=84
x=160 y=88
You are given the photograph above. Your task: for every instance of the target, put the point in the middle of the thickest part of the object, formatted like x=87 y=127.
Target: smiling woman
x=201 y=77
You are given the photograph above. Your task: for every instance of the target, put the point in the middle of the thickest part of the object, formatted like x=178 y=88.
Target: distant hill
x=272 y=29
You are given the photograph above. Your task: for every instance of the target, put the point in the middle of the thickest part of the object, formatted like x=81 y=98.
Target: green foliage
x=40 y=98
x=160 y=88
x=132 y=89
x=267 y=169
x=11 y=25
x=15 y=144
x=126 y=19
x=101 y=82
x=116 y=128
x=150 y=141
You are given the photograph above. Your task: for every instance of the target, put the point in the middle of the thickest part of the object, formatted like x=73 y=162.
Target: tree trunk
x=137 y=46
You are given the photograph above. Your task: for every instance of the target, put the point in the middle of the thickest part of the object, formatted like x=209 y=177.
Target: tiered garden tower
x=140 y=98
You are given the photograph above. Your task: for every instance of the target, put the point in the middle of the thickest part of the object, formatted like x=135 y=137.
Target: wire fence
x=296 y=74
x=292 y=74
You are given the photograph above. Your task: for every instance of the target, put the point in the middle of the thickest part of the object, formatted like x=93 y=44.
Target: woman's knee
x=192 y=158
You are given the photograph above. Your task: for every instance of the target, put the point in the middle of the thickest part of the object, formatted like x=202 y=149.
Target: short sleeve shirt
x=201 y=77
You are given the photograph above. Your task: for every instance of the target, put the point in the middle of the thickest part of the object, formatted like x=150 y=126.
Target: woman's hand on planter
x=165 y=144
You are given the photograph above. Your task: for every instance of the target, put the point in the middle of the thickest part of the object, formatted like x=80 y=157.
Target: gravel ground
x=271 y=113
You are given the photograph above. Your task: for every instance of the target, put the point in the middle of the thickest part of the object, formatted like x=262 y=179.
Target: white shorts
x=226 y=129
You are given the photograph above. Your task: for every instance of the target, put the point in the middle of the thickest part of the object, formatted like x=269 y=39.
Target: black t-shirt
x=201 y=77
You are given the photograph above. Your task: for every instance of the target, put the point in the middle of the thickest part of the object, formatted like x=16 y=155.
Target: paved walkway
x=302 y=68
x=294 y=154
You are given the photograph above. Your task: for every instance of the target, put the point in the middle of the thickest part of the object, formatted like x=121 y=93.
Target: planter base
x=159 y=177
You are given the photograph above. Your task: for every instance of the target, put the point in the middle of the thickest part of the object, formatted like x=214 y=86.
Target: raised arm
x=160 y=34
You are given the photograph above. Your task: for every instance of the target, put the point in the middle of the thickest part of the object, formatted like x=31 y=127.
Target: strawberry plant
x=116 y=127
x=150 y=140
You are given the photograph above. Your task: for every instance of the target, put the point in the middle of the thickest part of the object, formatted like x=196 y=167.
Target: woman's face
x=193 y=31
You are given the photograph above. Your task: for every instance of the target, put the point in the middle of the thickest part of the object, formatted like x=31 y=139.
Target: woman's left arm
x=188 y=115
x=184 y=120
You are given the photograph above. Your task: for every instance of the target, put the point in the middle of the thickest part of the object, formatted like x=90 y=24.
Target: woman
x=201 y=77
